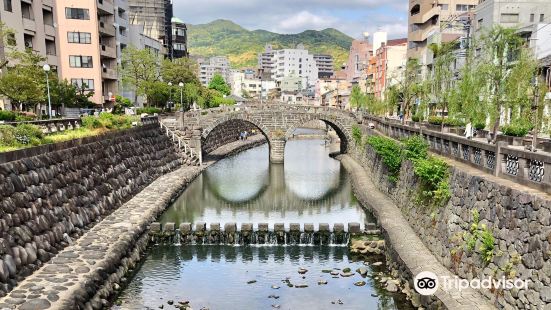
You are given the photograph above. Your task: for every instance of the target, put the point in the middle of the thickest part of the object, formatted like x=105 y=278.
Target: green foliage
x=24 y=83
x=357 y=134
x=112 y=121
x=139 y=70
x=63 y=93
x=437 y=120
x=25 y=117
x=91 y=122
x=219 y=84
x=434 y=175
x=415 y=147
x=148 y=110
x=483 y=234
x=28 y=134
x=488 y=244
x=7 y=116
x=390 y=151
x=217 y=101
x=357 y=98
x=120 y=104
x=517 y=128
x=223 y=37
x=479 y=125
x=181 y=70
x=7 y=135
x=416 y=118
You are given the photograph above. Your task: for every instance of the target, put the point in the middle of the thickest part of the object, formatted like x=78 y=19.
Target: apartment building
x=179 y=39
x=390 y=59
x=266 y=62
x=156 y=17
x=325 y=65
x=358 y=58
x=33 y=23
x=436 y=22
x=295 y=62
x=214 y=65
x=88 y=46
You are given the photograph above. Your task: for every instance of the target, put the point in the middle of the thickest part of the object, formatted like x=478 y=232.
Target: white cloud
x=291 y=16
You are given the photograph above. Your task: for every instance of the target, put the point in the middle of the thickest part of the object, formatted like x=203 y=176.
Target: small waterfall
x=247 y=236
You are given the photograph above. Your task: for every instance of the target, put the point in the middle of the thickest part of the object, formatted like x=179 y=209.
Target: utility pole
x=535 y=111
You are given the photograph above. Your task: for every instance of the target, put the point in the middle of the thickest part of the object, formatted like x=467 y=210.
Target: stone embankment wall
x=51 y=197
x=518 y=218
x=226 y=133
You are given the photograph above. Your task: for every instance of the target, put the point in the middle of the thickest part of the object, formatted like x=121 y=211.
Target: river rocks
x=391 y=287
x=322 y=282
x=251 y=281
x=346 y=274
x=362 y=271
x=359 y=283
x=301 y=285
x=302 y=270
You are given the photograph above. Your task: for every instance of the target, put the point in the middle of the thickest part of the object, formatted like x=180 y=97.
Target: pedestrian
x=246 y=133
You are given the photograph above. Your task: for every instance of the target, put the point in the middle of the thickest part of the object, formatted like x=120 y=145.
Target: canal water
x=309 y=188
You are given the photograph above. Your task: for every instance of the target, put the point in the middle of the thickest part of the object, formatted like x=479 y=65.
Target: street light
x=181 y=84
x=170 y=94
x=46 y=68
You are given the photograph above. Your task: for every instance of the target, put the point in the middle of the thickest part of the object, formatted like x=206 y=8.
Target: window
x=79 y=37
x=479 y=24
x=464 y=7
x=179 y=47
x=26 y=11
x=542 y=18
x=87 y=84
x=80 y=61
x=443 y=7
x=8 y=6
x=532 y=17
x=48 y=16
x=50 y=47
x=509 y=18
x=75 y=13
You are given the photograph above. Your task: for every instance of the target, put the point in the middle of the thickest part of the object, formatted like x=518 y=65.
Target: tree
x=181 y=70
x=441 y=82
x=408 y=87
x=357 y=98
x=219 y=84
x=157 y=93
x=5 y=37
x=24 y=82
x=499 y=48
x=139 y=69
x=65 y=94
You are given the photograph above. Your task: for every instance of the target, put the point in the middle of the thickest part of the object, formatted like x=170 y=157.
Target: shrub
x=438 y=120
x=7 y=116
x=28 y=134
x=479 y=126
x=415 y=147
x=91 y=122
x=415 y=118
x=25 y=116
x=390 y=151
x=517 y=129
x=434 y=174
x=357 y=134
x=7 y=135
x=148 y=110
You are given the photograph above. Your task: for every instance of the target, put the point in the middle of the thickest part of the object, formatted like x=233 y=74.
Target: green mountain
x=225 y=38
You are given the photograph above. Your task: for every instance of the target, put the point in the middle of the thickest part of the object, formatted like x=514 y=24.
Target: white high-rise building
x=214 y=65
x=294 y=62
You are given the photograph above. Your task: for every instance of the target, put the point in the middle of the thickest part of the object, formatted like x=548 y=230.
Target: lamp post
x=535 y=114
x=181 y=96
x=46 y=68
x=169 y=94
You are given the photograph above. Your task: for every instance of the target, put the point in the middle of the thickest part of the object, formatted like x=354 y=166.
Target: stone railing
x=54 y=125
x=502 y=160
x=180 y=143
x=270 y=108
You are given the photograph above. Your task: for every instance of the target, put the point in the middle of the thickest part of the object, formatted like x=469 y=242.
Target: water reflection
x=309 y=187
x=216 y=277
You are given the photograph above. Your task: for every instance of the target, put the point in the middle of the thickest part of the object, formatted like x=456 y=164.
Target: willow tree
x=441 y=83
x=357 y=98
x=499 y=51
x=409 y=87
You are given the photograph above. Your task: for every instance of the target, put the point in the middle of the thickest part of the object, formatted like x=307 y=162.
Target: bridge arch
x=334 y=124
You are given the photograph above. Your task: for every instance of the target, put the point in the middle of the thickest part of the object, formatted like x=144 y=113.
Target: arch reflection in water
x=216 y=277
x=310 y=187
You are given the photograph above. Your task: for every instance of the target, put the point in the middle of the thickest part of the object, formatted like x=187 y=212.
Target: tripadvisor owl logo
x=426 y=283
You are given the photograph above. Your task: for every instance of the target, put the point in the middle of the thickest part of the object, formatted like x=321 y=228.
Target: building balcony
x=106 y=28
x=423 y=18
x=421 y=35
x=29 y=24
x=109 y=74
x=108 y=51
x=105 y=7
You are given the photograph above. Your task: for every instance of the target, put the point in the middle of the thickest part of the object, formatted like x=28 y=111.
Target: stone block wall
x=519 y=220
x=52 y=196
x=226 y=133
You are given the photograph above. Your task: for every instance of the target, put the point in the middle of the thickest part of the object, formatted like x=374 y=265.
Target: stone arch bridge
x=205 y=130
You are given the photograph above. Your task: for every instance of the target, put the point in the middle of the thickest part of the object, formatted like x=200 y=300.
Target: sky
x=352 y=17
